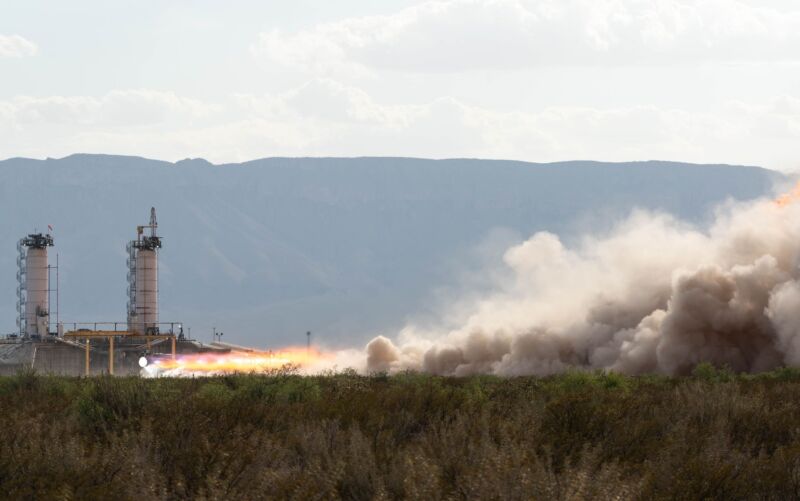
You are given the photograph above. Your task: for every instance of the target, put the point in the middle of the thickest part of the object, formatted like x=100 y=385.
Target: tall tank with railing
x=33 y=285
x=143 y=278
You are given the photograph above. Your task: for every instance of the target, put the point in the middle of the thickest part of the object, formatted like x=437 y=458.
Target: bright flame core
x=235 y=361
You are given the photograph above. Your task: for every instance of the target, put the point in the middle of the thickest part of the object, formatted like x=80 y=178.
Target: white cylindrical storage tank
x=37 y=285
x=146 y=290
x=143 y=279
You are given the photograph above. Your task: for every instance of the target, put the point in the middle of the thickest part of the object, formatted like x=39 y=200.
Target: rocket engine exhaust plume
x=654 y=295
x=210 y=364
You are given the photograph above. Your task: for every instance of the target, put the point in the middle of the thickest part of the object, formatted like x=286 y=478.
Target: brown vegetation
x=410 y=436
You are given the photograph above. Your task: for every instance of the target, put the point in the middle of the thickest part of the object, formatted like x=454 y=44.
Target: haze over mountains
x=346 y=248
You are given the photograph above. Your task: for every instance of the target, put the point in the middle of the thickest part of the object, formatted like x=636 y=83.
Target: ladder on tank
x=131 y=248
x=22 y=294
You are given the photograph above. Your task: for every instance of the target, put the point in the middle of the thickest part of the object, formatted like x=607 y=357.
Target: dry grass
x=576 y=436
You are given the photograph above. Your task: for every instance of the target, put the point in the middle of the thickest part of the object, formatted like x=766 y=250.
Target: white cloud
x=326 y=99
x=119 y=108
x=328 y=118
x=16 y=46
x=459 y=35
x=324 y=117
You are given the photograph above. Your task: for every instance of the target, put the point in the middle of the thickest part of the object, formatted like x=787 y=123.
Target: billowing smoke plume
x=655 y=295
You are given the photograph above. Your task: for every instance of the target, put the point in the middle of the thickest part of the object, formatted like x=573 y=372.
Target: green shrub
x=215 y=393
x=708 y=372
x=579 y=435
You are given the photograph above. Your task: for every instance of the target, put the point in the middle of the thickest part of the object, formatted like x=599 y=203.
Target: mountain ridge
x=653 y=162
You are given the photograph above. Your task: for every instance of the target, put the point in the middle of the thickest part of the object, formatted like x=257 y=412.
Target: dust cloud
x=654 y=295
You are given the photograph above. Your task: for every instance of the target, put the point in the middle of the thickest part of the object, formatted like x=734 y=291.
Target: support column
x=173 y=347
x=111 y=355
x=87 y=357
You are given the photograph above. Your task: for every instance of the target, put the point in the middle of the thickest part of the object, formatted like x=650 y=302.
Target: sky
x=710 y=81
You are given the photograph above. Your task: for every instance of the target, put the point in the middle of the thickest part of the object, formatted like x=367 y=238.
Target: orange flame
x=789 y=198
x=239 y=361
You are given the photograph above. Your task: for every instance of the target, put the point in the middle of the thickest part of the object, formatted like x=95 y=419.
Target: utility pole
x=58 y=309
